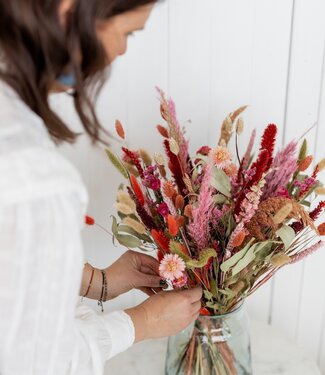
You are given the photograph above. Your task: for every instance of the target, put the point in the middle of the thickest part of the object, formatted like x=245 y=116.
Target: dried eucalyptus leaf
x=128 y=241
x=221 y=182
x=225 y=266
x=122 y=228
x=287 y=235
x=219 y=199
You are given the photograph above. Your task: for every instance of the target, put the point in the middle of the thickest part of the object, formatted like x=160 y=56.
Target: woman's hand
x=133 y=270
x=166 y=313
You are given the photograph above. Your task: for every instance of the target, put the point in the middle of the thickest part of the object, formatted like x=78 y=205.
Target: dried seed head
x=320 y=190
x=240 y=126
x=280 y=260
x=124 y=208
x=174 y=147
x=135 y=225
x=282 y=214
x=145 y=157
x=321 y=165
x=159 y=159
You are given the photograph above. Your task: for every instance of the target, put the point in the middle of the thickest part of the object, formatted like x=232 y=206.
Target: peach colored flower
x=171 y=267
x=221 y=157
x=231 y=170
x=180 y=282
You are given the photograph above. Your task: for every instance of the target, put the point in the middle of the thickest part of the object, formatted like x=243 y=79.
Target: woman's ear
x=64 y=8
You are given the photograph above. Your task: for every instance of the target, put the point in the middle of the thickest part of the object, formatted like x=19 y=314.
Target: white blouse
x=44 y=329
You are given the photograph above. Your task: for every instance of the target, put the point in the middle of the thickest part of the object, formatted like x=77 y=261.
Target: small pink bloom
x=171 y=267
x=163 y=209
x=180 y=282
x=221 y=157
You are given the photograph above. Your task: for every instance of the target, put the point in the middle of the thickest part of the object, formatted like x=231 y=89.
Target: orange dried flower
x=204 y=311
x=239 y=239
x=163 y=131
x=180 y=221
x=188 y=211
x=179 y=202
x=305 y=163
x=169 y=189
x=321 y=229
x=89 y=220
x=172 y=225
x=119 y=129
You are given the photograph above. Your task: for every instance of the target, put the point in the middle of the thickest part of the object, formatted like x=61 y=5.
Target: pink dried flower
x=199 y=227
x=163 y=209
x=303 y=254
x=282 y=169
x=180 y=282
x=171 y=267
x=283 y=192
x=221 y=157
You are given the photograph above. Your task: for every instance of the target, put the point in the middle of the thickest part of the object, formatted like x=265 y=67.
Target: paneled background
x=213 y=56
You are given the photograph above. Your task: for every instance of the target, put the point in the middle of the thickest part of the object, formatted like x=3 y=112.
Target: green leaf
x=287 y=235
x=219 y=199
x=225 y=266
x=204 y=257
x=126 y=229
x=117 y=163
x=114 y=225
x=221 y=182
x=244 y=262
x=303 y=151
x=128 y=241
x=214 y=288
x=175 y=248
x=207 y=294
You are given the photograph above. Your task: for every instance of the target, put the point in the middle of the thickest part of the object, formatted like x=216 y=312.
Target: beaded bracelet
x=103 y=296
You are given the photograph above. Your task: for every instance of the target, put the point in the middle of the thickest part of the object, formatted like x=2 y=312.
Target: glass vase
x=212 y=345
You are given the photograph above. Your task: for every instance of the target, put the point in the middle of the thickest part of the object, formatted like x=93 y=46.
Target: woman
x=47 y=46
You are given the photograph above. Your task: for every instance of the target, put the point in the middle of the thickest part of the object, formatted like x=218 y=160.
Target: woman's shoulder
x=30 y=164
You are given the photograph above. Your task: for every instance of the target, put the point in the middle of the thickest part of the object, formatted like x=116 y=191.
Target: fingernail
x=162 y=282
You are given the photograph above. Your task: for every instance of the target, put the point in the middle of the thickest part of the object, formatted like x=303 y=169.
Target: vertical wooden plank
x=310 y=329
x=291 y=295
x=250 y=43
x=189 y=66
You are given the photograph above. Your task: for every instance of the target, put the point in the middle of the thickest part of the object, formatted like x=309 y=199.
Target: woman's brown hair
x=35 y=49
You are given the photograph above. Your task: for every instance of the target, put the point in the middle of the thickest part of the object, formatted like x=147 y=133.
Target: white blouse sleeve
x=44 y=329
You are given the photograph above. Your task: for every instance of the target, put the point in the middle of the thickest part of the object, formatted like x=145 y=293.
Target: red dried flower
x=268 y=141
x=317 y=211
x=204 y=311
x=175 y=167
x=204 y=150
x=134 y=159
x=161 y=240
x=89 y=220
x=137 y=189
x=162 y=131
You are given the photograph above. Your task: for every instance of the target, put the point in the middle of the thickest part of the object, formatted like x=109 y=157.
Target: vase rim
x=237 y=308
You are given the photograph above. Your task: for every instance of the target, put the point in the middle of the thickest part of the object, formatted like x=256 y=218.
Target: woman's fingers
x=149 y=261
x=196 y=306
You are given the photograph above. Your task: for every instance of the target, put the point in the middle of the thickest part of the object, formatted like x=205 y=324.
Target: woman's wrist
x=92 y=281
x=139 y=318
